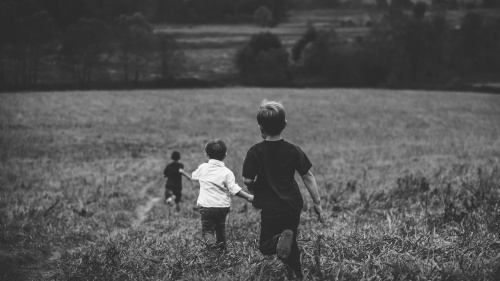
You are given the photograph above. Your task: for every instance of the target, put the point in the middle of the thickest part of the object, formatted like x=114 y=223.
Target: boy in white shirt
x=217 y=183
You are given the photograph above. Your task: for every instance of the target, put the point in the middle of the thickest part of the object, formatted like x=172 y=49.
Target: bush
x=263 y=60
x=263 y=17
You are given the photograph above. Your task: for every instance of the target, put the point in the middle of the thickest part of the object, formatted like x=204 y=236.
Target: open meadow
x=410 y=182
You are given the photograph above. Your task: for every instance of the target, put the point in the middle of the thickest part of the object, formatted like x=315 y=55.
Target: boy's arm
x=245 y=195
x=185 y=174
x=249 y=184
x=310 y=183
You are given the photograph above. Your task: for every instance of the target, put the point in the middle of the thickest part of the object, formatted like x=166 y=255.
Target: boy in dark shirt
x=174 y=172
x=268 y=172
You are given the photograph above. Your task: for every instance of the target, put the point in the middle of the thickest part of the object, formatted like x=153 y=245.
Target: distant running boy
x=268 y=172
x=174 y=172
x=217 y=183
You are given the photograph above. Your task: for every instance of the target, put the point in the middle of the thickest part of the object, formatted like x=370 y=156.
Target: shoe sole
x=284 y=244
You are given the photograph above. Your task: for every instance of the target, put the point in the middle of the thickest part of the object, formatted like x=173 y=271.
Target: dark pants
x=169 y=191
x=213 y=220
x=271 y=226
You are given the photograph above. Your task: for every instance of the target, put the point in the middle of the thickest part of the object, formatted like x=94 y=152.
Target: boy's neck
x=273 y=138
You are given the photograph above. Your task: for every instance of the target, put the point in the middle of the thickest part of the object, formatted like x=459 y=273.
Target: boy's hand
x=319 y=211
x=250 y=198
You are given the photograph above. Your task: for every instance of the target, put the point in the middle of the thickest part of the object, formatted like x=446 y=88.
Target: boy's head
x=216 y=149
x=271 y=117
x=175 y=156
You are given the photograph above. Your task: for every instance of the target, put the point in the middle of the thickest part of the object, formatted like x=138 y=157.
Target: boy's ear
x=285 y=125
x=263 y=133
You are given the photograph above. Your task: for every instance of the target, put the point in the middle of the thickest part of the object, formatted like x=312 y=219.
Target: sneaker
x=209 y=240
x=284 y=244
x=169 y=201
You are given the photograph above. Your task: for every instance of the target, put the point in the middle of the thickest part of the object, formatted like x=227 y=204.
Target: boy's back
x=174 y=177
x=273 y=164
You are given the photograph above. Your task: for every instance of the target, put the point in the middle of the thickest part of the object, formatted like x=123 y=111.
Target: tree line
x=407 y=48
x=34 y=49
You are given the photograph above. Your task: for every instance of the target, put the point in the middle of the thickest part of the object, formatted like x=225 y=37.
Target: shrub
x=263 y=60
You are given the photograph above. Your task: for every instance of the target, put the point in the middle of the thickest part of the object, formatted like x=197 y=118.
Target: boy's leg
x=168 y=195
x=220 y=227
x=207 y=226
x=293 y=261
x=272 y=226
x=178 y=195
x=270 y=230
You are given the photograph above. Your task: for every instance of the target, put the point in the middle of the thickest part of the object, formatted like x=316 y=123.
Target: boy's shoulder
x=283 y=142
x=202 y=165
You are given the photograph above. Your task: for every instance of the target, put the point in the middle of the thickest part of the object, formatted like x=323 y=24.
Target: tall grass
x=410 y=182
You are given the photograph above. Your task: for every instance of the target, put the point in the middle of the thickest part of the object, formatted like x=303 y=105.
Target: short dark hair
x=271 y=117
x=216 y=149
x=175 y=156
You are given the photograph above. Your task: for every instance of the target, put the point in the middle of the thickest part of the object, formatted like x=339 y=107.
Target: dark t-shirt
x=274 y=164
x=174 y=178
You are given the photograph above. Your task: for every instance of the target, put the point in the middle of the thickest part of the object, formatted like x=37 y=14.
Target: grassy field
x=410 y=184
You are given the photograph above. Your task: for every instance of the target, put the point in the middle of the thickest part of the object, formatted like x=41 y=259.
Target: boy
x=268 y=172
x=217 y=183
x=174 y=172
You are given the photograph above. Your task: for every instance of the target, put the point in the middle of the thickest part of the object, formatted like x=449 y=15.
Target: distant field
x=81 y=183
x=210 y=49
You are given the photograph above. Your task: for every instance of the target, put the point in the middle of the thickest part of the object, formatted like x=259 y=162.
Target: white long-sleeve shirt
x=217 y=183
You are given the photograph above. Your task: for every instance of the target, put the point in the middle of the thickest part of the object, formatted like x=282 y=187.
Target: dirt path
x=142 y=211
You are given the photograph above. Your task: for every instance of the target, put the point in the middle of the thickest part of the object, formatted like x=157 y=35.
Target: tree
x=263 y=17
x=27 y=36
x=263 y=60
x=382 y=4
x=65 y=12
x=470 y=35
x=169 y=59
x=7 y=22
x=135 y=42
x=309 y=36
x=491 y=3
x=401 y=4
x=36 y=40
x=84 y=47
